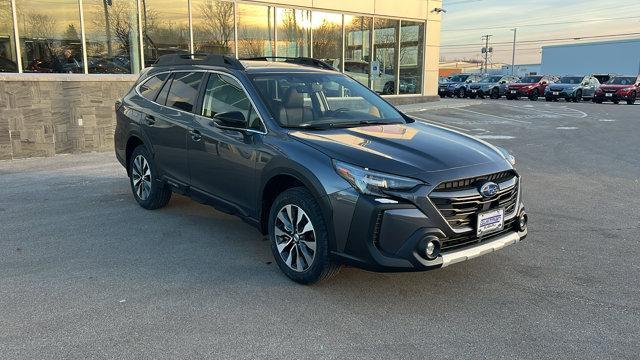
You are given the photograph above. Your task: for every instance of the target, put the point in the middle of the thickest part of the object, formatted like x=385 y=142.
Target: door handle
x=195 y=135
x=150 y=120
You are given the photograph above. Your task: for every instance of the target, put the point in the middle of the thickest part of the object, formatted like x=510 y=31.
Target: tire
x=389 y=88
x=461 y=93
x=632 y=98
x=578 y=96
x=147 y=189
x=534 y=95
x=494 y=94
x=295 y=256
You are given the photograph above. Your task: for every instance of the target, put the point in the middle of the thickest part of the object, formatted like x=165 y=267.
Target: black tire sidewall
x=302 y=198
x=155 y=186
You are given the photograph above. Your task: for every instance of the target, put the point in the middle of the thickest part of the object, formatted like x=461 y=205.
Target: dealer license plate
x=490 y=221
x=609 y=95
x=556 y=93
x=474 y=91
x=513 y=91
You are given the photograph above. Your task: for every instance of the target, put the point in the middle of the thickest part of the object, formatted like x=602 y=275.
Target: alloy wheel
x=141 y=177
x=295 y=237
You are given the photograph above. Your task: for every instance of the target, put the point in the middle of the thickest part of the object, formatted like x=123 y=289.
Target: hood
x=416 y=149
x=560 y=87
x=520 y=85
x=614 y=87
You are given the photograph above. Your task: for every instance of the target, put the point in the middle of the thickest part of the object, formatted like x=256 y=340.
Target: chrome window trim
x=244 y=89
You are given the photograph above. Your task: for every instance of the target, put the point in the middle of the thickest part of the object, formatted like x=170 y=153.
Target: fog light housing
x=429 y=247
x=522 y=221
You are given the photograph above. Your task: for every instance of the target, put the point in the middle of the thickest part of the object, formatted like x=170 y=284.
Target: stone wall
x=44 y=115
x=49 y=114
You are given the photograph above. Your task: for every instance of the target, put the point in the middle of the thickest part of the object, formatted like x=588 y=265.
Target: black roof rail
x=199 y=59
x=299 y=60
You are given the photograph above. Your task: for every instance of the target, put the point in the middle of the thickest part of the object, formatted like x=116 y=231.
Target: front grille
x=475 y=181
x=459 y=202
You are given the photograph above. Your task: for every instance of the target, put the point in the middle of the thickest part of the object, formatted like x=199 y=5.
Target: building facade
x=621 y=57
x=63 y=63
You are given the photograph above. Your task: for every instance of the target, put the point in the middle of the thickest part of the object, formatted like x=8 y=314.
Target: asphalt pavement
x=86 y=273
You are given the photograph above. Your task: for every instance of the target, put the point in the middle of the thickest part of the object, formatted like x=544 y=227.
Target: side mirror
x=543 y=83
x=232 y=119
x=503 y=81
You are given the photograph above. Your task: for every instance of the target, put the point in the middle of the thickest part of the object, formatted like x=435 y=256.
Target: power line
x=544 y=24
x=549 y=40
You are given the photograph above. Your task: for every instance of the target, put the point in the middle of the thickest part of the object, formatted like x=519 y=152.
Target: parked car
x=572 y=88
x=530 y=86
x=457 y=85
x=619 y=88
x=332 y=180
x=491 y=85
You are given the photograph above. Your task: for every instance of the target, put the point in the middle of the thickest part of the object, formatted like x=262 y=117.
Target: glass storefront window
x=112 y=36
x=411 y=55
x=293 y=32
x=357 y=47
x=212 y=26
x=385 y=56
x=8 y=61
x=327 y=37
x=255 y=30
x=165 y=28
x=50 y=38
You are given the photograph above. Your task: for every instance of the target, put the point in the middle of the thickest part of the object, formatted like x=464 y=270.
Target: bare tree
x=217 y=27
x=326 y=41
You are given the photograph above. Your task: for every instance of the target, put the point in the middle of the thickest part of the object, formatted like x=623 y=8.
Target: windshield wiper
x=364 y=122
x=345 y=124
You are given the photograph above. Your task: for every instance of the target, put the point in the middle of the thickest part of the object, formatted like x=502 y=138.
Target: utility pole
x=513 y=53
x=486 y=50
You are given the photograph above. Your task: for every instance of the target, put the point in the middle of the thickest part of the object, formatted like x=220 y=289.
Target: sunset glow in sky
x=467 y=20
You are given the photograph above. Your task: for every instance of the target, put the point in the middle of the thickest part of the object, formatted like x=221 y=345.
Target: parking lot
x=85 y=272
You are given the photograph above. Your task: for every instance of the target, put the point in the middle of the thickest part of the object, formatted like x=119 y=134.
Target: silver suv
x=491 y=85
x=572 y=88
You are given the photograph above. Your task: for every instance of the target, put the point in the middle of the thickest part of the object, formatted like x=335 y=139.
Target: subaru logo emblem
x=489 y=189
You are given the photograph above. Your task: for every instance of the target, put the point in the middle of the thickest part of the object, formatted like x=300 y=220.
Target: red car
x=619 y=88
x=530 y=86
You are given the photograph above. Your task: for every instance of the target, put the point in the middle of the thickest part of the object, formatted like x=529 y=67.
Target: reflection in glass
x=357 y=50
x=112 y=36
x=411 y=55
x=255 y=30
x=50 y=39
x=8 y=61
x=294 y=32
x=327 y=37
x=212 y=26
x=385 y=35
x=165 y=28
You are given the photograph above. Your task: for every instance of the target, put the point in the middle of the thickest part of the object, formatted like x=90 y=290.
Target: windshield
x=459 y=78
x=491 y=79
x=570 y=80
x=531 y=79
x=322 y=100
x=622 y=81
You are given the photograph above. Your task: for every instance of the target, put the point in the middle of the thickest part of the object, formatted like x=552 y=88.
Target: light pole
x=513 y=52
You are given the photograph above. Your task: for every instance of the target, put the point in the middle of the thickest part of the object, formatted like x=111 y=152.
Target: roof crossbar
x=299 y=60
x=199 y=59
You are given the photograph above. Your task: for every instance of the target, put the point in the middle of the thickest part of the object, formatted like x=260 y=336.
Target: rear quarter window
x=150 y=87
x=184 y=90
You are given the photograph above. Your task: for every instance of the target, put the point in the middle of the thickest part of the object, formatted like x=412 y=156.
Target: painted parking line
x=494 y=116
x=561 y=110
x=438 y=123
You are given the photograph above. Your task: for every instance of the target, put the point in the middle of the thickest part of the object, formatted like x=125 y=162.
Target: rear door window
x=184 y=90
x=150 y=88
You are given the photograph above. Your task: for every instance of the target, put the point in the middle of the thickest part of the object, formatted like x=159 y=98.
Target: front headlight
x=507 y=156
x=372 y=182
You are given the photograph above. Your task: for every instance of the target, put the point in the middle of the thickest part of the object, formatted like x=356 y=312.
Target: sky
x=466 y=21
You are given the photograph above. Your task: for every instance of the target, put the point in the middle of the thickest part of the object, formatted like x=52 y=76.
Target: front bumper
x=617 y=96
x=559 y=94
x=386 y=237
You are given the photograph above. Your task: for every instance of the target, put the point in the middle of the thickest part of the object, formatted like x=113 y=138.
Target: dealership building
x=63 y=63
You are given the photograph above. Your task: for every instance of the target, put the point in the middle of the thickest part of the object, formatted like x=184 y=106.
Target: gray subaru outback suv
x=325 y=167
